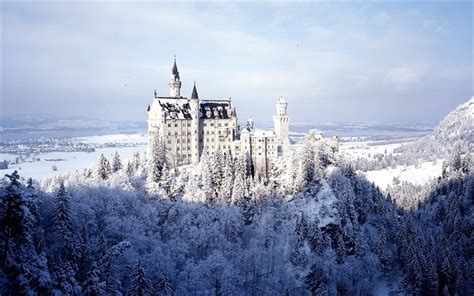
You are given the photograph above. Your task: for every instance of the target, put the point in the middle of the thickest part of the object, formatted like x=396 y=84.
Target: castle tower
x=195 y=128
x=281 y=123
x=175 y=82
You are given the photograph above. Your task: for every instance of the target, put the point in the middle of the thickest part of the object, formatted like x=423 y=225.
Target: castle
x=188 y=127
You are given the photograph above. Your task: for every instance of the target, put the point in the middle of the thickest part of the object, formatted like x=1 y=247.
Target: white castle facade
x=189 y=127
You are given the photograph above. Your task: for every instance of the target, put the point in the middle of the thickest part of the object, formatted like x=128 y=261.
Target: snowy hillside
x=455 y=130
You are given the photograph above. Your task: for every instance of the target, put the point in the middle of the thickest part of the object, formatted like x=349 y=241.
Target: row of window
x=269 y=140
x=205 y=124
x=218 y=124
x=188 y=133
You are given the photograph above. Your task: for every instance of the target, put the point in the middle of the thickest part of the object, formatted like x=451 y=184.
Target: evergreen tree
x=239 y=187
x=84 y=254
x=92 y=286
x=305 y=175
x=103 y=170
x=157 y=161
x=165 y=288
x=228 y=179
x=140 y=285
x=129 y=168
x=65 y=279
x=456 y=162
x=466 y=163
x=315 y=237
x=301 y=231
x=25 y=267
x=316 y=280
x=116 y=163
x=102 y=246
x=107 y=264
x=207 y=179
x=12 y=215
x=63 y=223
x=136 y=162
x=168 y=179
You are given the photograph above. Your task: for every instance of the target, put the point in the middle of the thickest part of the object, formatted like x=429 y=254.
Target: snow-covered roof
x=175 y=108
x=221 y=109
x=179 y=108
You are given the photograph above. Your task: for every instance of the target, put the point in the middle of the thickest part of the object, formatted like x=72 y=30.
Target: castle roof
x=194 y=95
x=175 y=71
x=175 y=108
x=221 y=109
x=179 y=108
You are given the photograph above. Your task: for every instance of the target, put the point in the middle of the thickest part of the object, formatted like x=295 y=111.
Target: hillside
x=455 y=130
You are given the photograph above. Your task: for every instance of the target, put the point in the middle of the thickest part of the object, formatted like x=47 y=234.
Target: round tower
x=281 y=107
x=281 y=122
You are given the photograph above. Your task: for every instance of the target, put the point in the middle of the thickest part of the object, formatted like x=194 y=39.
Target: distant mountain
x=455 y=130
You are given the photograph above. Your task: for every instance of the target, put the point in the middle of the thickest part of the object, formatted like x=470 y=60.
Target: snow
x=72 y=161
x=425 y=172
x=364 y=148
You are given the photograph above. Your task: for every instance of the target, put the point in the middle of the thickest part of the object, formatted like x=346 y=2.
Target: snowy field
x=419 y=175
x=425 y=172
x=72 y=161
x=367 y=148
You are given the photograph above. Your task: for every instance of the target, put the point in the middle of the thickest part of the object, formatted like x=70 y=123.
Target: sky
x=332 y=62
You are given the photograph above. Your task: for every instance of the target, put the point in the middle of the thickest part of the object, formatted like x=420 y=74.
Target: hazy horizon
x=338 y=62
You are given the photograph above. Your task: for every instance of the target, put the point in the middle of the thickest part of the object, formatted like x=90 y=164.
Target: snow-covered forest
x=309 y=226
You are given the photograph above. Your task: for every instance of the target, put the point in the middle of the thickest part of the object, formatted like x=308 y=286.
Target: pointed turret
x=175 y=71
x=175 y=81
x=194 y=95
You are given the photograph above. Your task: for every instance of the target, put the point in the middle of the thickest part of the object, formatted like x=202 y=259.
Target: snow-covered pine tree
x=136 y=161
x=63 y=223
x=65 y=279
x=315 y=237
x=228 y=179
x=207 y=179
x=84 y=252
x=239 y=186
x=140 y=284
x=116 y=162
x=103 y=169
x=467 y=163
x=107 y=264
x=305 y=174
x=129 y=168
x=156 y=162
x=92 y=286
x=316 y=280
x=102 y=246
x=167 y=179
x=301 y=231
x=21 y=262
x=12 y=215
x=165 y=288
x=217 y=167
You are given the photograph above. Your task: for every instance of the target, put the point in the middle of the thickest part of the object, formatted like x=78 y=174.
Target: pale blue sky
x=332 y=61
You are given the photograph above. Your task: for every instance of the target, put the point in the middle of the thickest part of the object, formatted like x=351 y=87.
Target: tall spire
x=194 y=95
x=175 y=81
x=175 y=71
